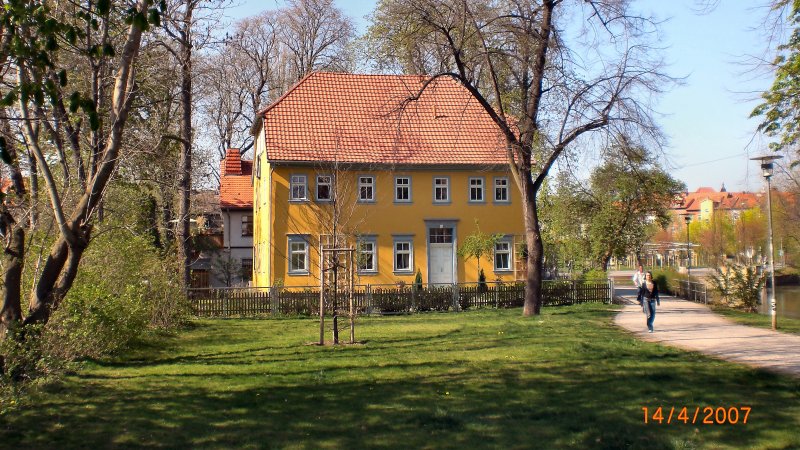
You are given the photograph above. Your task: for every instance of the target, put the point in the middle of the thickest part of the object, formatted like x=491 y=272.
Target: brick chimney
x=232 y=163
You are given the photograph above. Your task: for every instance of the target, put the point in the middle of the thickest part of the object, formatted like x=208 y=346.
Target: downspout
x=271 y=228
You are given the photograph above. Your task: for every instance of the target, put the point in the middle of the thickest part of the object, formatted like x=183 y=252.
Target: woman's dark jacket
x=644 y=294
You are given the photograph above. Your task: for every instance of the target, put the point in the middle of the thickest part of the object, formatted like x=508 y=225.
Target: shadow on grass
x=501 y=383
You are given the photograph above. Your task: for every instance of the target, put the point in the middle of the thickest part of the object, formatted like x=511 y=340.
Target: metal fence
x=691 y=290
x=389 y=299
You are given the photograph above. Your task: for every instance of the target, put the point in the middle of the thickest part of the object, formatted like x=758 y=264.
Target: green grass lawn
x=785 y=325
x=488 y=379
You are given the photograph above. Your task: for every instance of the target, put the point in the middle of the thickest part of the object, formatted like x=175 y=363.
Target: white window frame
x=252 y=225
x=479 y=187
x=246 y=276
x=503 y=188
x=373 y=241
x=445 y=186
x=398 y=186
x=329 y=183
x=297 y=239
x=298 y=181
x=409 y=252
x=508 y=250
x=363 y=185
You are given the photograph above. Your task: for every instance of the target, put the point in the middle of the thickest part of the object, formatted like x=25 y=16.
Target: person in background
x=638 y=277
x=649 y=298
x=638 y=281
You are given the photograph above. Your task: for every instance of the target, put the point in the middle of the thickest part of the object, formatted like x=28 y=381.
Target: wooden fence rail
x=389 y=299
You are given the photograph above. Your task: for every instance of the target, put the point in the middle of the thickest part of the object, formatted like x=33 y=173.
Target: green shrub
x=739 y=286
x=93 y=322
x=482 y=282
x=595 y=276
x=418 y=281
x=667 y=279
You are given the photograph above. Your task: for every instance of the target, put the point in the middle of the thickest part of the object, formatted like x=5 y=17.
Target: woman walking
x=648 y=294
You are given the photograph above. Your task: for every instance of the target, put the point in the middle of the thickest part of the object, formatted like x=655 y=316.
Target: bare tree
x=548 y=96
x=316 y=34
x=187 y=27
x=237 y=79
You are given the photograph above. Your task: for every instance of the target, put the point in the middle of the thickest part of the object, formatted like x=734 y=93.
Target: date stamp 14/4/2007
x=703 y=415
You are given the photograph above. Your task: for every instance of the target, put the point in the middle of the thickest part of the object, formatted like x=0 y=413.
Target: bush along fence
x=389 y=299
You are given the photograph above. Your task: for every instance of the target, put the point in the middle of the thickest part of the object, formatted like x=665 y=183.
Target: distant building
x=705 y=202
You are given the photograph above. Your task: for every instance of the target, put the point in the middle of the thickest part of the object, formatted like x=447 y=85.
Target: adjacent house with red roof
x=400 y=174
x=235 y=265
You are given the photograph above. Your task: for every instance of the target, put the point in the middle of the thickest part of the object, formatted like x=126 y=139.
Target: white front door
x=440 y=246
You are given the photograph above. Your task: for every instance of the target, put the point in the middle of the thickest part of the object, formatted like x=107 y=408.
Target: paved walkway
x=692 y=326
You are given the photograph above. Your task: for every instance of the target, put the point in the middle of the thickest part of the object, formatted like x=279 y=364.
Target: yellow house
x=398 y=172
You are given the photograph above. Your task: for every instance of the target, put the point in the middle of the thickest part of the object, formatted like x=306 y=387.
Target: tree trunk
x=533 y=240
x=185 y=162
x=13 y=262
x=34 y=177
x=604 y=260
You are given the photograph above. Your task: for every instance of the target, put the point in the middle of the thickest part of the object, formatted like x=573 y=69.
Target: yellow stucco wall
x=262 y=216
x=276 y=218
x=706 y=209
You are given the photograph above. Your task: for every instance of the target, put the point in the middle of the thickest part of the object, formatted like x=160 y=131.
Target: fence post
x=455 y=297
x=368 y=294
x=610 y=291
x=272 y=292
x=497 y=295
x=574 y=292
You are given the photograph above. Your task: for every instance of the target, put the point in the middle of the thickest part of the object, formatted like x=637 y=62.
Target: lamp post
x=767 y=171
x=688 y=218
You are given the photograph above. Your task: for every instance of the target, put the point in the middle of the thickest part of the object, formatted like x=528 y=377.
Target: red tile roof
x=690 y=201
x=361 y=119
x=235 y=184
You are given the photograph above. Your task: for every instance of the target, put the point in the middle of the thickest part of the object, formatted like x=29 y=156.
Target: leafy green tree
x=478 y=245
x=716 y=237
x=780 y=110
x=69 y=78
x=625 y=201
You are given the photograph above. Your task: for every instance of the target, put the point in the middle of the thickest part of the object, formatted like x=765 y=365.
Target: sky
x=706 y=118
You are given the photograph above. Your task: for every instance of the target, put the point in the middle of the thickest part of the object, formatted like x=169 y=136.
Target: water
x=788 y=302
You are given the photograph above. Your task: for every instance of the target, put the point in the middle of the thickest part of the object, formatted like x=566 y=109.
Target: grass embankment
x=478 y=379
x=785 y=325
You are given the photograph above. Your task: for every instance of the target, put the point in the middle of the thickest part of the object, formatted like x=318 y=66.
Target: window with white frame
x=297 y=188
x=402 y=189
x=367 y=255
x=476 y=189
x=441 y=190
x=502 y=256
x=298 y=255
x=403 y=256
x=366 y=188
x=501 y=189
x=324 y=193
x=247 y=225
x=247 y=269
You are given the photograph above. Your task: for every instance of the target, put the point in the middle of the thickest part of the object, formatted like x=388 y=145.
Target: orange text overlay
x=702 y=415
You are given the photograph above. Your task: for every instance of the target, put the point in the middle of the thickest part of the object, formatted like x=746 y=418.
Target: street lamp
x=688 y=218
x=766 y=172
